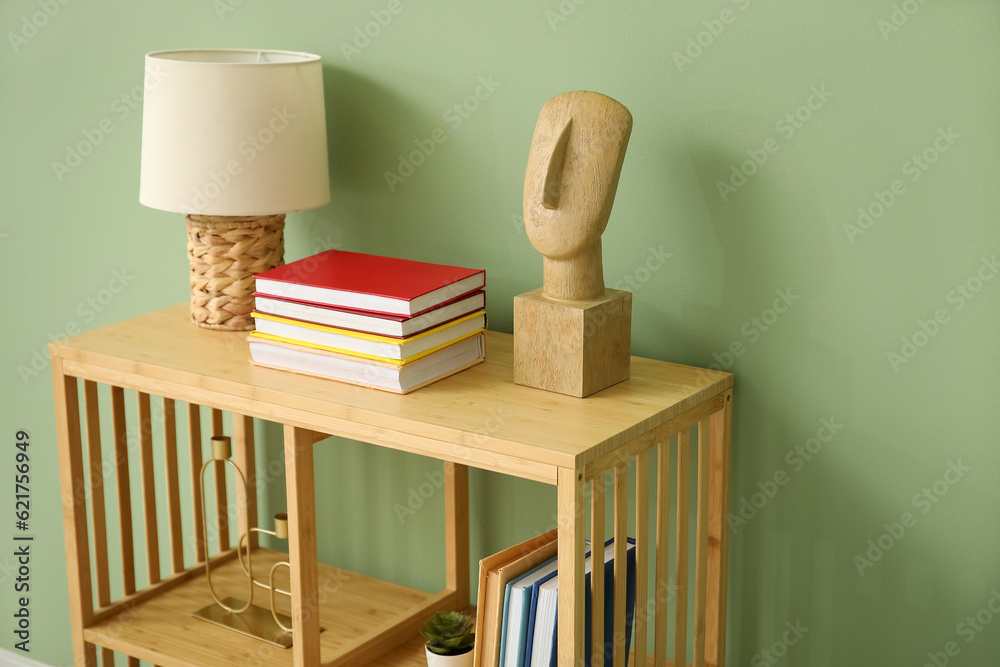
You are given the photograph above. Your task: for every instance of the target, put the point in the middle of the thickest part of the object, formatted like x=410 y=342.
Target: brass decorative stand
x=232 y=613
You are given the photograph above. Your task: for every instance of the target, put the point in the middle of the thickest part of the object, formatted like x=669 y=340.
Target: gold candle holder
x=281 y=532
x=244 y=617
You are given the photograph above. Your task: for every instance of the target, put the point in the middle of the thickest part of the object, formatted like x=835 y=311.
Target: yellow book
x=391 y=376
x=371 y=346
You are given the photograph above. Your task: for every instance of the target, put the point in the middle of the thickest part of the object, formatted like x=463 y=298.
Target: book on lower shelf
x=495 y=572
x=543 y=643
x=528 y=608
x=517 y=610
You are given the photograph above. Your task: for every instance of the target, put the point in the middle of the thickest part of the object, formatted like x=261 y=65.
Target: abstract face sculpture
x=569 y=188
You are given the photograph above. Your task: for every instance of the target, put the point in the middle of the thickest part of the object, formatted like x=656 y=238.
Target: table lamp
x=234 y=139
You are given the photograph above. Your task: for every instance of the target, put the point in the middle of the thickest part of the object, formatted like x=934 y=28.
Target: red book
x=369 y=282
x=398 y=326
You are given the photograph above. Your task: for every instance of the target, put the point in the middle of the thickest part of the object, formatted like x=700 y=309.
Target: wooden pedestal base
x=572 y=347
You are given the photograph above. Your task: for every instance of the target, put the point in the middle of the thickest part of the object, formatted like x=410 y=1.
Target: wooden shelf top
x=478 y=416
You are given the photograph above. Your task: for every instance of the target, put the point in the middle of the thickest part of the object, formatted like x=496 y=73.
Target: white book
x=394 y=377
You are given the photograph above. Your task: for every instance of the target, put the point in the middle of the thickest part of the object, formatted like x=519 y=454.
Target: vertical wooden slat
x=173 y=485
x=302 y=545
x=148 y=488
x=597 y=570
x=97 y=511
x=641 y=556
x=701 y=546
x=718 y=534
x=621 y=564
x=245 y=457
x=96 y=480
x=662 y=584
x=570 y=566
x=456 y=509
x=124 y=495
x=74 y=496
x=221 y=503
x=123 y=486
x=681 y=562
x=194 y=445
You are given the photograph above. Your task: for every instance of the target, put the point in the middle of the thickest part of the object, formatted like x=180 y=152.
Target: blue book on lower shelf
x=542 y=650
x=516 y=603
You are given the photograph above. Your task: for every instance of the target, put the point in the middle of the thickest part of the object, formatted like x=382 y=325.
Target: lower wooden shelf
x=362 y=618
x=411 y=654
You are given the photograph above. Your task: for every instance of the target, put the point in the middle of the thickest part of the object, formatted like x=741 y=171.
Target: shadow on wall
x=809 y=528
x=764 y=209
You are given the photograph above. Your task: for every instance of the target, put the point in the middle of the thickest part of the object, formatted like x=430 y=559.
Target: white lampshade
x=233 y=132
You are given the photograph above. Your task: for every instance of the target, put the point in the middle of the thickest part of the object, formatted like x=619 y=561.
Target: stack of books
x=381 y=322
x=518 y=596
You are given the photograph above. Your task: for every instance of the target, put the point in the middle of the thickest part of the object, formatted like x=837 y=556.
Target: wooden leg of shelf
x=456 y=508
x=571 y=594
x=302 y=545
x=74 y=497
x=720 y=427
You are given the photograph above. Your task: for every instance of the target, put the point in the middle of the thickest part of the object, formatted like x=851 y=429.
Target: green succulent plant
x=449 y=633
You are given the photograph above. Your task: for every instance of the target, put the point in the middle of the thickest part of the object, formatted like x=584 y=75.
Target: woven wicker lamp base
x=225 y=253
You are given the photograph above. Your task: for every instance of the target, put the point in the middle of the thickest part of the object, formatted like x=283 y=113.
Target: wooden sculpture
x=573 y=335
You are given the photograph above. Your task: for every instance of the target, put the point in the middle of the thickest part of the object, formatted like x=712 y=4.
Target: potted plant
x=449 y=638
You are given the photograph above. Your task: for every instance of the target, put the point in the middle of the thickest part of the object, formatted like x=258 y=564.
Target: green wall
x=890 y=335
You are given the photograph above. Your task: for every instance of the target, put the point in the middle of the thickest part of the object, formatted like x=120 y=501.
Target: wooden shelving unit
x=575 y=444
